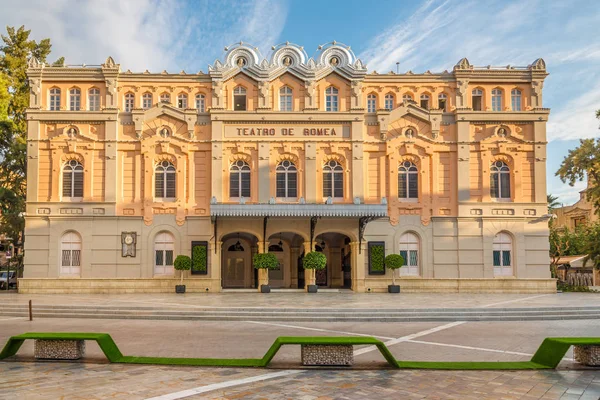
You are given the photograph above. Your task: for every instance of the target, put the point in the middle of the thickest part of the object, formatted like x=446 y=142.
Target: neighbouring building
x=580 y=213
x=286 y=154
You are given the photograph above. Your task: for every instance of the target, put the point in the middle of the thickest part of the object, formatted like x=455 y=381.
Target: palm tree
x=552 y=202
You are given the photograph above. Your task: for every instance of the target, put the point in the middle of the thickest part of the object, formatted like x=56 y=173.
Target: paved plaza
x=23 y=378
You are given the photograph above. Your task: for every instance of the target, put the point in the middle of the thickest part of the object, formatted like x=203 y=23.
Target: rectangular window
x=168 y=257
x=182 y=102
x=292 y=186
x=425 y=104
x=234 y=185
x=516 y=103
x=506 y=258
x=496 y=258
x=338 y=185
x=76 y=256
x=505 y=186
x=494 y=192
x=55 y=102
x=159 y=257
x=200 y=104
x=78 y=186
x=67 y=184
x=413 y=186
x=171 y=186
x=496 y=103
x=66 y=258
x=280 y=178
x=327 y=184
x=476 y=103
x=245 y=185
x=146 y=102
x=404 y=254
x=442 y=104
x=239 y=103
x=75 y=102
x=414 y=258
x=94 y=100
x=389 y=104
x=402 y=186
x=159 y=189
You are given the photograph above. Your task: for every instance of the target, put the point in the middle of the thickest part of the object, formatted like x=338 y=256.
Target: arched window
x=477 y=99
x=54 y=99
x=239 y=99
x=70 y=249
x=409 y=250
x=164 y=246
x=165 y=98
x=200 y=103
x=74 y=99
x=182 y=101
x=285 y=99
x=425 y=101
x=147 y=101
x=333 y=180
x=94 y=99
x=408 y=181
x=129 y=102
x=407 y=97
x=389 y=102
x=164 y=180
x=371 y=103
x=287 y=180
x=515 y=97
x=239 y=179
x=72 y=179
x=502 y=255
x=500 y=180
x=331 y=99
x=442 y=102
x=496 y=100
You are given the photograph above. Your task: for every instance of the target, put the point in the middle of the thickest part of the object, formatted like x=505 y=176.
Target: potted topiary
x=182 y=263
x=313 y=261
x=263 y=262
x=393 y=262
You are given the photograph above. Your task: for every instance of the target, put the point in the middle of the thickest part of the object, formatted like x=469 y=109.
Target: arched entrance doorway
x=338 y=273
x=287 y=247
x=236 y=255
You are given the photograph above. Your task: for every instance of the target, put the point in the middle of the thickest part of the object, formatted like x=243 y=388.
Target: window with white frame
x=371 y=103
x=496 y=100
x=239 y=99
x=331 y=99
x=165 y=98
x=408 y=181
x=147 y=101
x=74 y=99
x=200 y=103
x=442 y=102
x=285 y=99
x=182 y=101
x=54 y=99
x=389 y=101
x=70 y=250
x=477 y=99
x=425 y=101
x=407 y=97
x=129 y=102
x=164 y=180
x=72 y=182
x=94 y=99
x=502 y=255
x=333 y=180
x=286 y=180
x=500 y=181
x=239 y=180
x=515 y=97
x=164 y=247
x=409 y=250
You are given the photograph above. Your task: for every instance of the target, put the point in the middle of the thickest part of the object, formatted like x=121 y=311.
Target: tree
x=553 y=202
x=564 y=242
x=592 y=245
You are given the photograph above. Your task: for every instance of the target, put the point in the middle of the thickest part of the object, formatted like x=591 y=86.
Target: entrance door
x=347 y=269
x=235 y=263
x=163 y=254
x=276 y=276
x=70 y=255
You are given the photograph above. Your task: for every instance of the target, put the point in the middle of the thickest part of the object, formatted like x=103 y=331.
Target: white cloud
x=576 y=119
x=567 y=195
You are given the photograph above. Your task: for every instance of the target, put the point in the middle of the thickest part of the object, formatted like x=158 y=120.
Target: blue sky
x=421 y=35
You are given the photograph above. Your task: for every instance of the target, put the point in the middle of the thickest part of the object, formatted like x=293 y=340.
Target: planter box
x=587 y=355
x=59 y=349
x=265 y=289
x=179 y=288
x=393 y=288
x=327 y=355
x=312 y=288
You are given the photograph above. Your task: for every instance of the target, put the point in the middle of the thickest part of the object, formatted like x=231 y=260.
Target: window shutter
x=292 y=185
x=496 y=258
x=506 y=258
x=159 y=184
x=245 y=184
x=327 y=184
x=404 y=254
x=402 y=185
x=78 y=185
x=414 y=260
x=76 y=255
x=280 y=178
x=338 y=184
x=168 y=257
x=494 y=185
x=413 y=186
x=67 y=183
x=66 y=258
x=505 y=185
x=171 y=185
x=159 y=257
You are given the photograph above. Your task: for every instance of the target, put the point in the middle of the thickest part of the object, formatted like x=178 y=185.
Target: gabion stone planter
x=587 y=355
x=265 y=289
x=59 y=349
x=327 y=355
x=179 y=288
x=312 y=288
x=393 y=288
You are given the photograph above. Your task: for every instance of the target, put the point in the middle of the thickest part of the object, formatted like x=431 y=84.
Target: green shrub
x=376 y=253
x=182 y=263
x=199 y=258
x=314 y=260
x=393 y=262
x=265 y=261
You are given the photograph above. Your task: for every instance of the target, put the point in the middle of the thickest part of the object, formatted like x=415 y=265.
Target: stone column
x=294 y=254
x=335 y=267
x=358 y=267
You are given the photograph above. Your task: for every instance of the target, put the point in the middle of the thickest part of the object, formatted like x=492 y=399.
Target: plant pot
x=179 y=288
x=265 y=289
x=312 y=288
x=393 y=288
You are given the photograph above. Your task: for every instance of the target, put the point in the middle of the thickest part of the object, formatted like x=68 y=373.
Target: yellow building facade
x=286 y=154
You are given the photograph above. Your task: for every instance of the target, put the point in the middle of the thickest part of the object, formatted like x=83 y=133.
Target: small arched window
x=477 y=99
x=129 y=102
x=407 y=97
x=70 y=249
x=54 y=99
x=333 y=180
x=371 y=103
x=200 y=103
x=500 y=180
x=74 y=99
x=442 y=102
x=94 y=99
x=408 y=181
x=72 y=180
x=502 y=253
x=239 y=98
x=389 y=102
x=164 y=247
x=147 y=101
x=409 y=250
x=239 y=179
x=286 y=180
x=515 y=97
x=285 y=98
x=425 y=101
x=164 y=180
x=331 y=99
x=165 y=98
x=182 y=101
x=496 y=100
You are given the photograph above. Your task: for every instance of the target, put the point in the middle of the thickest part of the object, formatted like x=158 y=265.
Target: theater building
x=286 y=154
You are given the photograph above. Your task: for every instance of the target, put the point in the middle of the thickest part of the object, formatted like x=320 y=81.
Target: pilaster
x=463 y=155
x=110 y=165
x=358 y=166
x=539 y=168
x=33 y=154
x=263 y=173
x=310 y=162
x=217 y=161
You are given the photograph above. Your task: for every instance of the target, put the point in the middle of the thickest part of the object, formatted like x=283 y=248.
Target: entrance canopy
x=298 y=210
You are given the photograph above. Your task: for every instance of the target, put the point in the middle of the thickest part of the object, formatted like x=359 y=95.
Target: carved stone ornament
x=128 y=241
x=410 y=133
x=241 y=62
x=71 y=133
x=109 y=63
x=287 y=61
x=502 y=132
x=34 y=63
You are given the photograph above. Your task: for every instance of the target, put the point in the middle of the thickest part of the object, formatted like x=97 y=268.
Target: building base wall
x=494 y=285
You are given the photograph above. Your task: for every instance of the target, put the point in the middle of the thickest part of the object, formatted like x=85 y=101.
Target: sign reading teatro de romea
x=287 y=131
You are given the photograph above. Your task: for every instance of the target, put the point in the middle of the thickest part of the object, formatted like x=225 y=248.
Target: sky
x=177 y=35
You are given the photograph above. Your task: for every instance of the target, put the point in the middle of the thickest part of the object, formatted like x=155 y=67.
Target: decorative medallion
x=334 y=61
x=241 y=62
x=128 y=241
x=287 y=61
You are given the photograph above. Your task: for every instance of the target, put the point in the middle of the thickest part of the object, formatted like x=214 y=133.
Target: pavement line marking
x=318 y=329
x=516 y=300
x=222 y=385
x=6 y=319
